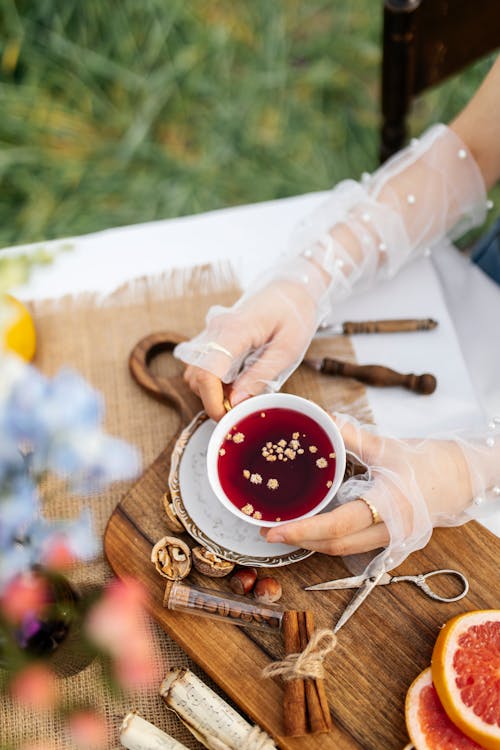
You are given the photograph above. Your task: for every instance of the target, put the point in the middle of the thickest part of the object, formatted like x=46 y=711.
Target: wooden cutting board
x=380 y=650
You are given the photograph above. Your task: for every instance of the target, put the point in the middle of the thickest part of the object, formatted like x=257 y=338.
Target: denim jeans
x=486 y=252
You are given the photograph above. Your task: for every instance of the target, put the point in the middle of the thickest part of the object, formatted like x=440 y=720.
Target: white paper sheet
x=414 y=293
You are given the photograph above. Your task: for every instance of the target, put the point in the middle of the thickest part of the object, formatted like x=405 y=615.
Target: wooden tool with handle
x=404 y=325
x=377 y=375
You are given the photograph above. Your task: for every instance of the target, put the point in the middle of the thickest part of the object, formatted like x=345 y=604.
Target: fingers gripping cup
x=275 y=458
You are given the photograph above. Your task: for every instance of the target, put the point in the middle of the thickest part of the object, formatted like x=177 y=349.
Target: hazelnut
x=209 y=564
x=267 y=590
x=243 y=581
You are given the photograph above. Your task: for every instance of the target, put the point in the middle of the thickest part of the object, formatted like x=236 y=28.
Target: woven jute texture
x=95 y=336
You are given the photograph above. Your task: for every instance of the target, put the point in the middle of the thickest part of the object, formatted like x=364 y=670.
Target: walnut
x=171 y=558
x=210 y=564
x=172 y=521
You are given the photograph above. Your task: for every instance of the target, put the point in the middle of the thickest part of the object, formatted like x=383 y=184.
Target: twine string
x=309 y=663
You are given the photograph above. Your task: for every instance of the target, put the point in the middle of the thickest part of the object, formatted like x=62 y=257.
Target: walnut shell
x=171 y=558
x=209 y=564
x=172 y=522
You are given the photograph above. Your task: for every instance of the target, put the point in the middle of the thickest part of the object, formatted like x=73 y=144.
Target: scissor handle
x=420 y=581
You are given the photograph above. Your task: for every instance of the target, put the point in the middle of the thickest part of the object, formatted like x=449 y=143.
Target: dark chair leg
x=398 y=65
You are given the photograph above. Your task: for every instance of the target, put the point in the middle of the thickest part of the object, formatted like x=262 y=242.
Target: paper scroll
x=210 y=719
x=138 y=734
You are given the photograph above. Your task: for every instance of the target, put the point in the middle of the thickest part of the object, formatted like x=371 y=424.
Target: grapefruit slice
x=427 y=724
x=466 y=674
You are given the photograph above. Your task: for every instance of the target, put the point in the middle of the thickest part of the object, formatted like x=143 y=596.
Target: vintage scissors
x=381 y=579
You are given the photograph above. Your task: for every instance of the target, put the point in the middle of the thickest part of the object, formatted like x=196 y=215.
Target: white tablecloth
x=463 y=352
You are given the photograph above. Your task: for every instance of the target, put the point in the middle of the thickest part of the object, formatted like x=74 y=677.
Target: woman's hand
x=413 y=485
x=254 y=346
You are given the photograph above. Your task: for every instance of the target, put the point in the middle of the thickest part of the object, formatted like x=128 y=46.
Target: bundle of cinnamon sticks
x=305 y=705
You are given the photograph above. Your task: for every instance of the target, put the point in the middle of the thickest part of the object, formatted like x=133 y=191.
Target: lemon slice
x=19 y=335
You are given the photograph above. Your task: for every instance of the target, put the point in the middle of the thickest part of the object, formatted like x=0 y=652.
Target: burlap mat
x=95 y=336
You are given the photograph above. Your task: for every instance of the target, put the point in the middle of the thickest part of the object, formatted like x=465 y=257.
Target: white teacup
x=260 y=404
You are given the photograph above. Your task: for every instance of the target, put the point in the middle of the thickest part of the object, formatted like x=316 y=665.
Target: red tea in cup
x=276 y=465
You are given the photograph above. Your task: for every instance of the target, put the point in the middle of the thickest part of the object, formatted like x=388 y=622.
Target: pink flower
x=113 y=619
x=117 y=625
x=25 y=595
x=136 y=667
x=88 y=730
x=58 y=556
x=35 y=687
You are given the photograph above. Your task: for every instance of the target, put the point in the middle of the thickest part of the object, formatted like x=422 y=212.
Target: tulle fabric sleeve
x=362 y=232
x=369 y=229
x=417 y=485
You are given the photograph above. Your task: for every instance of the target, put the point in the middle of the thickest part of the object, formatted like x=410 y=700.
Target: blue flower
x=21 y=415
x=77 y=535
x=18 y=508
x=50 y=425
x=92 y=460
x=11 y=460
x=70 y=403
x=14 y=559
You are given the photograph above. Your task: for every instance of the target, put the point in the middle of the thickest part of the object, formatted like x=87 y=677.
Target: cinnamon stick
x=318 y=710
x=314 y=713
x=294 y=703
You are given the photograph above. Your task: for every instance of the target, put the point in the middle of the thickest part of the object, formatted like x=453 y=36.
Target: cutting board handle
x=173 y=389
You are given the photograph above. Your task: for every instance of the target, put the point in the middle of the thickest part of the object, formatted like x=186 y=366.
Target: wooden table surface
x=380 y=651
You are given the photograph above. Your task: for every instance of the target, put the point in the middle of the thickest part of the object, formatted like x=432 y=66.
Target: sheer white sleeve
x=369 y=229
x=416 y=485
x=362 y=232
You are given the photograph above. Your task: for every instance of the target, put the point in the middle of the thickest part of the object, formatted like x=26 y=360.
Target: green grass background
x=115 y=112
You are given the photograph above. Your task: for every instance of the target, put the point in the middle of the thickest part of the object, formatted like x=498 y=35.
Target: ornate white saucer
x=205 y=518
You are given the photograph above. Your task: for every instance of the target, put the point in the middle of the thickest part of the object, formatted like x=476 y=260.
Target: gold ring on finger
x=214 y=346
x=374 y=512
